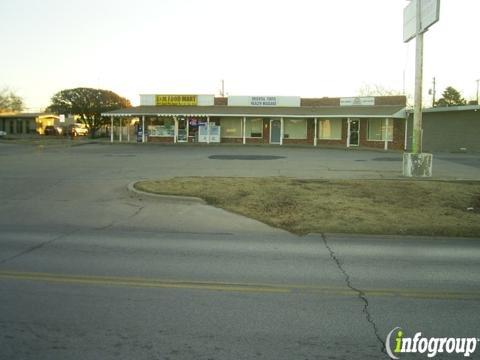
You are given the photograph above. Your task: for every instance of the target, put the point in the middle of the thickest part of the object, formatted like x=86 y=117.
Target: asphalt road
x=91 y=271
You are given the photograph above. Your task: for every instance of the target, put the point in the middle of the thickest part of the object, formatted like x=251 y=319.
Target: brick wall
x=391 y=100
x=266 y=131
x=231 y=140
x=297 y=141
x=325 y=101
x=255 y=141
x=379 y=100
x=168 y=140
x=221 y=101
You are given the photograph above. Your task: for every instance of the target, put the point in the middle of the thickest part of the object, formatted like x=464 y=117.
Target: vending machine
x=208 y=132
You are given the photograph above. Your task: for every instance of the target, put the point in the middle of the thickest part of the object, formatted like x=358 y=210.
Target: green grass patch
x=400 y=207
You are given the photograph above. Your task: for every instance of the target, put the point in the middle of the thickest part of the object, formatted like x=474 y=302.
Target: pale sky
x=309 y=48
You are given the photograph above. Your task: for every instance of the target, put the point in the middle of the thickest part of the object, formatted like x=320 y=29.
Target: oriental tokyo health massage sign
x=398 y=343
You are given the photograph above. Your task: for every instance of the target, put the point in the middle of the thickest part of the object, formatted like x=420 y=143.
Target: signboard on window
x=270 y=101
x=357 y=101
x=176 y=100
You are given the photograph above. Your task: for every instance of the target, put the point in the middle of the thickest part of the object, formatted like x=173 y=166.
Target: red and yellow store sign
x=176 y=100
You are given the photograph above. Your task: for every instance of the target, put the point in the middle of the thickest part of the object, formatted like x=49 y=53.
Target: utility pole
x=223 y=88
x=477 y=92
x=433 y=93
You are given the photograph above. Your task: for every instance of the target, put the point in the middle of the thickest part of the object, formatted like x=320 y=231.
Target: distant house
x=448 y=129
x=27 y=123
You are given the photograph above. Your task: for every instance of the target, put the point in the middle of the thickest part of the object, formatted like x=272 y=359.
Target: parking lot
x=135 y=161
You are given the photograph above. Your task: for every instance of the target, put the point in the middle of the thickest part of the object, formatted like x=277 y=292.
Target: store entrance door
x=275 y=131
x=353 y=132
x=182 y=133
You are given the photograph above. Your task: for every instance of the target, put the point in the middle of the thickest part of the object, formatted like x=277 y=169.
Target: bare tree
x=377 y=90
x=10 y=102
x=380 y=90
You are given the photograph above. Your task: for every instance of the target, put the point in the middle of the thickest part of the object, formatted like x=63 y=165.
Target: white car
x=3 y=133
x=78 y=129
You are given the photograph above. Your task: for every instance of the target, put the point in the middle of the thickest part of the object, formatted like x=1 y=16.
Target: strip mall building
x=376 y=122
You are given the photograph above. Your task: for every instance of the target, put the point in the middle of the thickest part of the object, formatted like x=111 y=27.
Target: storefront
x=377 y=122
x=26 y=123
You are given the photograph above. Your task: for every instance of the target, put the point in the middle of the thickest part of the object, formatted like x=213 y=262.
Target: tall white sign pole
x=418 y=16
x=417 y=109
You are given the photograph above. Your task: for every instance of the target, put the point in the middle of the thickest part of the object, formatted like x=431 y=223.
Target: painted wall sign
x=176 y=100
x=357 y=101
x=284 y=101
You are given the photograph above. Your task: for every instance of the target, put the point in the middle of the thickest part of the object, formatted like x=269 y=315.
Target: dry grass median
x=347 y=206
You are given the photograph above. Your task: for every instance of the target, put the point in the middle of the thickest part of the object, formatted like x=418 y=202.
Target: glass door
x=353 y=132
x=182 y=135
x=275 y=131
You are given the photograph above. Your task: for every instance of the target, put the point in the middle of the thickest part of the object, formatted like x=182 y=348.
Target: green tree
x=10 y=102
x=88 y=104
x=451 y=97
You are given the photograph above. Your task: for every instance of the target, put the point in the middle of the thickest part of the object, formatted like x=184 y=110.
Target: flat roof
x=453 y=108
x=380 y=111
x=26 y=115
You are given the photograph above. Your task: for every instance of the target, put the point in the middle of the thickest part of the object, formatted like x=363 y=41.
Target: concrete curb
x=375 y=237
x=190 y=199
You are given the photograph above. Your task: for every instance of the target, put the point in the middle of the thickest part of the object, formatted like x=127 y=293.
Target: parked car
x=78 y=129
x=3 y=133
x=53 y=130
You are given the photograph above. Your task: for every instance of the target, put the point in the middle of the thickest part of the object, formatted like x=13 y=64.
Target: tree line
x=450 y=96
x=87 y=104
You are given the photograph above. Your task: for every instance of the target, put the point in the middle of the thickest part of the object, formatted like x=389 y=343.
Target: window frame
x=340 y=120
x=285 y=120
x=382 y=131
x=238 y=119
x=248 y=135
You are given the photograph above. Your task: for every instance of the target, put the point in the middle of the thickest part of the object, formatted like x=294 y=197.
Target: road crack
x=140 y=208
x=35 y=247
x=360 y=294
x=113 y=223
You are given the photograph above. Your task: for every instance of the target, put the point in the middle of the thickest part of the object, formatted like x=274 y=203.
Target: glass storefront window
x=330 y=129
x=162 y=127
x=19 y=126
x=254 y=128
x=231 y=127
x=376 y=130
x=295 y=129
